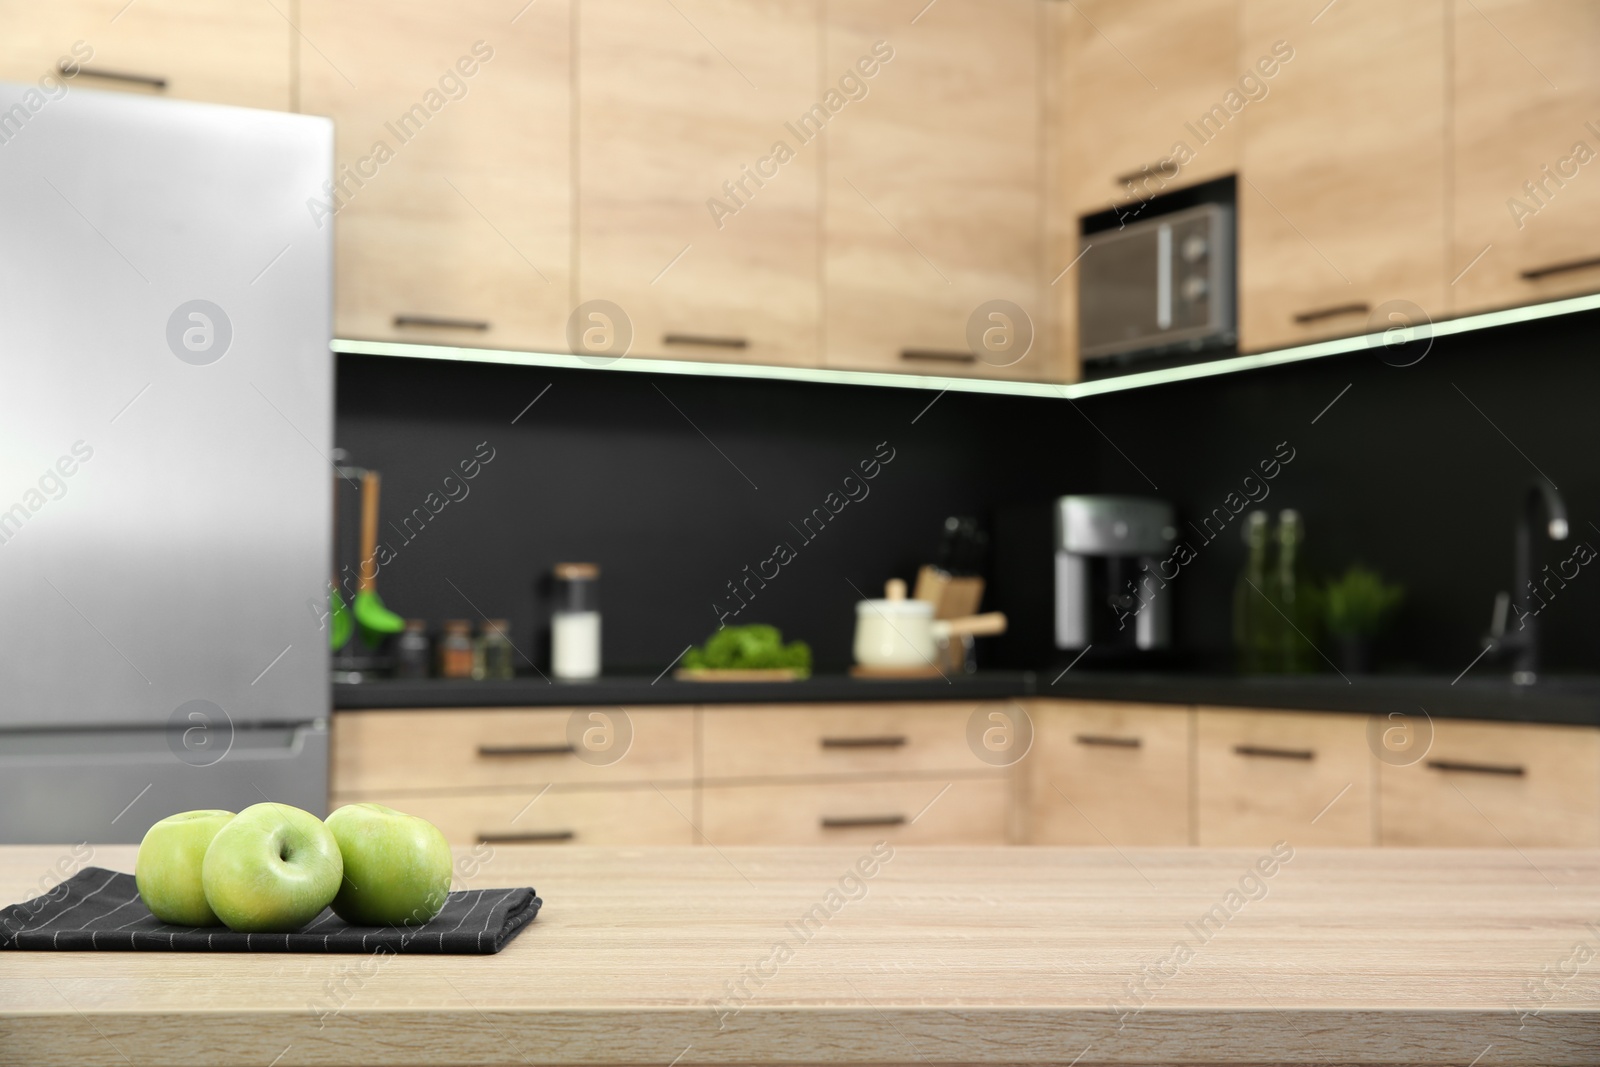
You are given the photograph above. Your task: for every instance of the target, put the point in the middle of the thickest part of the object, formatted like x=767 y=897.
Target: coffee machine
x=1109 y=591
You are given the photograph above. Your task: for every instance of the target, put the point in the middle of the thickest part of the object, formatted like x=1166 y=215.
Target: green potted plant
x=1356 y=608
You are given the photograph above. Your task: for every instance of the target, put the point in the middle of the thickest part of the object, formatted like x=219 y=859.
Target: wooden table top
x=933 y=956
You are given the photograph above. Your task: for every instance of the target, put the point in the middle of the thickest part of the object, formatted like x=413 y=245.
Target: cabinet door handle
x=439 y=322
x=1109 y=742
x=1318 y=314
x=1560 y=268
x=704 y=340
x=938 y=355
x=502 y=751
x=544 y=837
x=887 y=741
x=113 y=76
x=1510 y=770
x=1274 y=753
x=850 y=822
x=1161 y=168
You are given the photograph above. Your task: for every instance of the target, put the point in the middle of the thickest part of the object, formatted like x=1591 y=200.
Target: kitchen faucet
x=1524 y=640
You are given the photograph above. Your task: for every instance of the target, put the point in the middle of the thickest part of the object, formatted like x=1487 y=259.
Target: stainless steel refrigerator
x=166 y=406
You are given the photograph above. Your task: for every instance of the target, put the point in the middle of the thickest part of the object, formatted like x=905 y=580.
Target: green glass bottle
x=1296 y=654
x=1252 y=613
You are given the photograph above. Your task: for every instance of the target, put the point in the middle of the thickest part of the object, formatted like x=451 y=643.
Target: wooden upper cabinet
x=453 y=219
x=1527 y=141
x=185 y=49
x=1342 y=183
x=1137 y=84
x=932 y=205
x=697 y=203
x=1129 y=91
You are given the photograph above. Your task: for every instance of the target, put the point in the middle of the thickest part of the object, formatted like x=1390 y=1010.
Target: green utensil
x=375 y=620
x=339 y=621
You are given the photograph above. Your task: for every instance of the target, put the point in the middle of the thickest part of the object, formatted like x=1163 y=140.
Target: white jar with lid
x=575 y=622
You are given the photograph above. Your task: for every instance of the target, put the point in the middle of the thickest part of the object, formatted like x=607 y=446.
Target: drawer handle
x=704 y=340
x=503 y=751
x=1318 y=314
x=438 y=322
x=114 y=76
x=1510 y=770
x=546 y=837
x=939 y=355
x=1560 y=268
x=1274 y=753
x=850 y=822
x=889 y=741
x=1109 y=742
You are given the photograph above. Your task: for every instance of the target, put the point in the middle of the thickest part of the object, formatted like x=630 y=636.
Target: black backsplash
x=675 y=485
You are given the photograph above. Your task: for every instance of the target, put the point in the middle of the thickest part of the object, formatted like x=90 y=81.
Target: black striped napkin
x=101 y=910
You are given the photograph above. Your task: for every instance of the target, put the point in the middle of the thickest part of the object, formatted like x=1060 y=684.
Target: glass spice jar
x=491 y=653
x=412 y=651
x=455 y=650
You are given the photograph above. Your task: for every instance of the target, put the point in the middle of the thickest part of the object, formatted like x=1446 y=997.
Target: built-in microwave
x=1158 y=286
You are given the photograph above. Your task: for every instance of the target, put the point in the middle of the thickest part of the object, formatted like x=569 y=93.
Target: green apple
x=396 y=866
x=271 y=869
x=167 y=869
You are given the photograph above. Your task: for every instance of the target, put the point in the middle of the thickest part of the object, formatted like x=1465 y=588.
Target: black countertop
x=1574 y=700
x=1567 y=700
x=625 y=690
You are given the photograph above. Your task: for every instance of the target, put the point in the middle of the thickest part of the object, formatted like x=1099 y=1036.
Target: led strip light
x=830 y=376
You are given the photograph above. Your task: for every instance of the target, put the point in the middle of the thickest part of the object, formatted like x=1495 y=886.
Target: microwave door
x=1119 y=306
x=1158 y=285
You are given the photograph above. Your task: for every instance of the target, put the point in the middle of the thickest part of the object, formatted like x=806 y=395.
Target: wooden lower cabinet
x=385 y=752
x=927 y=811
x=1496 y=785
x=1108 y=774
x=879 y=739
x=1096 y=774
x=637 y=816
x=1265 y=776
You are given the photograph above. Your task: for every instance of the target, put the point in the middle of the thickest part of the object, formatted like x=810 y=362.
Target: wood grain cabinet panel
x=1498 y=785
x=1526 y=104
x=1136 y=77
x=789 y=740
x=690 y=217
x=453 y=217
x=1122 y=79
x=1265 y=776
x=969 y=811
x=1342 y=188
x=195 y=49
x=642 y=816
x=376 y=752
x=1108 y=774
x=933 y=199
